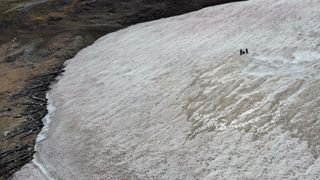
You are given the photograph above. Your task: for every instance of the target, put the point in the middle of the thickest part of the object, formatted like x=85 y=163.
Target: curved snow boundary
x=46 y=120
x=36 y=167
x=43 y=135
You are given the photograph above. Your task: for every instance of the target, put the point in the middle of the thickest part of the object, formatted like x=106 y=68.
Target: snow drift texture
x=173 y=99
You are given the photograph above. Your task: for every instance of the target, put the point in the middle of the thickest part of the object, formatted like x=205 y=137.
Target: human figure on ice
x=244 y=51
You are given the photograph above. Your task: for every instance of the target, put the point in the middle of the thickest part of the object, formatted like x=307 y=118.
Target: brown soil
x=36 y=38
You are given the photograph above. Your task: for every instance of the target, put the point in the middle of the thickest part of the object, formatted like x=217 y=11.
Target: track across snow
x=173 y=99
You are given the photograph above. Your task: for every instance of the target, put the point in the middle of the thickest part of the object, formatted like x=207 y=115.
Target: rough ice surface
x=173 y=99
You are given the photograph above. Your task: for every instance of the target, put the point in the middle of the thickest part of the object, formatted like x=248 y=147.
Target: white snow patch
x=172 y=99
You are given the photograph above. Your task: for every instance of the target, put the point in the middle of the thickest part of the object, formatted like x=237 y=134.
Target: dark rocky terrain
x=37 y=37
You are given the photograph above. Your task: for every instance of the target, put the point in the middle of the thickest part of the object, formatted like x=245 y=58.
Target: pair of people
x=244 y=51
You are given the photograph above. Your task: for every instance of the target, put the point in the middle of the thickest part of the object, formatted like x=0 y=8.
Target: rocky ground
x=36 y=38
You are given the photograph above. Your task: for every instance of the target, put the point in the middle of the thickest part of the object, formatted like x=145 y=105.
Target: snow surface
x=173 y=99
